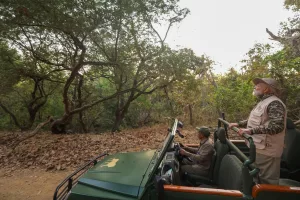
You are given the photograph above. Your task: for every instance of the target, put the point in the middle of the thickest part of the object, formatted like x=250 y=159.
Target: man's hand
x=181 y=145
x=244 y=130
x=182 y=152
x=233 y=125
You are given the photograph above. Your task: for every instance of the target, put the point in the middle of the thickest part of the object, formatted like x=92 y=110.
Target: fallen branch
x=33 y=133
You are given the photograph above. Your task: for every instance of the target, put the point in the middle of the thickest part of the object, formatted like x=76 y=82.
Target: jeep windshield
x=163 y=149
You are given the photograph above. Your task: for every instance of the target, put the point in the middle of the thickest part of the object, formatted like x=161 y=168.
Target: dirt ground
x=29 y=184
x=34 y=169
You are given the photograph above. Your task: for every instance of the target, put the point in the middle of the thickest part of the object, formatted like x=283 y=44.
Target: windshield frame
x=160 y=153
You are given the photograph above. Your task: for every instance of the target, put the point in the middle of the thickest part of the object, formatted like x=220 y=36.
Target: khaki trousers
x=269 y=169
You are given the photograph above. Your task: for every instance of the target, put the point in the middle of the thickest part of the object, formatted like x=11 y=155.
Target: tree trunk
x=191 y=114
x=83 y=126
x=211 y=78
x=79 y=93
x=15 y=120
x=119 y=117
x=12 y=116
x=169 y=100
x=33 y=107
x=59 y=126
x=122 y=110
x=120 y=113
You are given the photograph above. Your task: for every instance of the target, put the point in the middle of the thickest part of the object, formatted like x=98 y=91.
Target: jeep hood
x=119 y=176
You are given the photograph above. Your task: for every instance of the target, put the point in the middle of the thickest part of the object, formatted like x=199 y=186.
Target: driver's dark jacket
x=202 y=156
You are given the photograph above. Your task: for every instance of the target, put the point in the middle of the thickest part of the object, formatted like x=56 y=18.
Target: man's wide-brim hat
x=203 y=130
x=269 y=81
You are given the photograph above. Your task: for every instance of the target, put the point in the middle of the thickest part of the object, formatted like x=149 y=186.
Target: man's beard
x=257 y=93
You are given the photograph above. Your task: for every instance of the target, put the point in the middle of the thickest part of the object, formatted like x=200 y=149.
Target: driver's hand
x=233 y=125
x=182 y=152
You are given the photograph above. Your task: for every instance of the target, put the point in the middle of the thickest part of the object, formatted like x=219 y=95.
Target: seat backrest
x=230 y=173
x=291 y=151
x=212 y=166
x=221 y=149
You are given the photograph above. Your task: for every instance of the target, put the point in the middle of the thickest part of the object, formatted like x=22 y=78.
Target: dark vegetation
x=82 y=66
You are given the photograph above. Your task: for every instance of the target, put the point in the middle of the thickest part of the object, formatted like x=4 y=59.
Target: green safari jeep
x=155 y=174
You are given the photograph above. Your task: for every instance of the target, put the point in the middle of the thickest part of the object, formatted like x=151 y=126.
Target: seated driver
x=201 y=157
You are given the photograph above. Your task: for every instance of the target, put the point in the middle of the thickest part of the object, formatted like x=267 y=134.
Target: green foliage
x=65 y=55
x=234 y=95
x=292 y=4
x=9 y=65
x=286 y=70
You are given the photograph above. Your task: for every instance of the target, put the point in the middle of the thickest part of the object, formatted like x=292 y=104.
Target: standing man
x=200 y=157
x=266 y=124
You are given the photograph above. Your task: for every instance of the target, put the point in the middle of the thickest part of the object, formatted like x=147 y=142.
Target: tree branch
x=274 y=37
x=102 y=49
x=12 y=115
x=294 y=30
x=74 y=72
x=99 y=63
x=117 y=39
x=99 y=101
x=33 y=133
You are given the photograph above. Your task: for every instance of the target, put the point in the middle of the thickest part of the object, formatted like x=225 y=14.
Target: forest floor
x=37 y=165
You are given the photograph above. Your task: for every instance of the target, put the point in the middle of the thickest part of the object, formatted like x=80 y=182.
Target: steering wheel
x=178 y=155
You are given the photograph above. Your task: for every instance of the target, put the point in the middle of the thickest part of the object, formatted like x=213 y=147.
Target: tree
x=234 y=95
x=284 y=64
x=73 y=36
x=281 y=65
x=19 y=76
x=9 y=62
x=190 y=91
x=286 y=70
x=255 y=65
x=293 y=4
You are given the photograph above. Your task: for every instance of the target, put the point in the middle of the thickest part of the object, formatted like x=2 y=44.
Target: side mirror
x=179 y=124
x=179 y=133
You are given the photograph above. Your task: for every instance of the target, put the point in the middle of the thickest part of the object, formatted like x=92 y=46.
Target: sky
x=225 y=30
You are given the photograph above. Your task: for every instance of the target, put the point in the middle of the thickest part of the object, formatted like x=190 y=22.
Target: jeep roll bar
x=61 y=192
x=248 y=162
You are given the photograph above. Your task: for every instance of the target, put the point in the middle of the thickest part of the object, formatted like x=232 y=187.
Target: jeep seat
x=221 y=149
x=289 y=182
x=230 y=173
x=195 y=179
x=290 y=163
